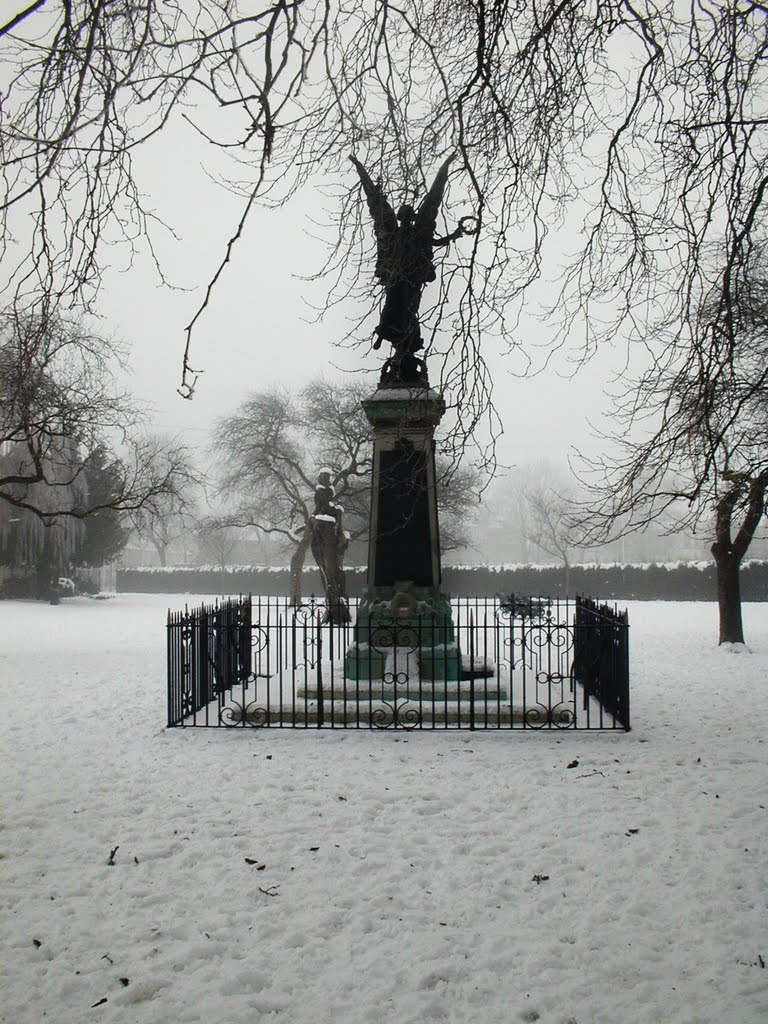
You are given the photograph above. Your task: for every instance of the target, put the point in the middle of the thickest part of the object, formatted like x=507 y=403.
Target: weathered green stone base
x=436 y=663
x=396 y=623
x=363 y=664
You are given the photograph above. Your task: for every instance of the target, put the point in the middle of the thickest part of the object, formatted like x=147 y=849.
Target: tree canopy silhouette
x=640 y=126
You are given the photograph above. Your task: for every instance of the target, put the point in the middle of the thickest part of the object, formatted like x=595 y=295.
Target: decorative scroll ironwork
x=557 y=716
x=236 y=714
x=307 y=617
x=187 y=701
x=396 y=714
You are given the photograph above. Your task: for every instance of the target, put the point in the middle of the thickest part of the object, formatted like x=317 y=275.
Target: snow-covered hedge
x=677 y=581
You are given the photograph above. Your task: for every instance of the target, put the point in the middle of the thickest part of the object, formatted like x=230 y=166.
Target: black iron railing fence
x=503 y=663
x=208 y=650
x=601 y=656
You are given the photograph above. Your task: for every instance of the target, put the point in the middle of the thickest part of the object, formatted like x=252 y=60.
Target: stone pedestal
x=403 y=614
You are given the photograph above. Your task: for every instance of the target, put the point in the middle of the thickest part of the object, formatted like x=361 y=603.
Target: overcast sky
x=257 y=330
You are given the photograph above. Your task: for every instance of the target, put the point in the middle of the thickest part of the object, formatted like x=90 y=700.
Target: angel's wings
x=384 y=219
x=426 y=216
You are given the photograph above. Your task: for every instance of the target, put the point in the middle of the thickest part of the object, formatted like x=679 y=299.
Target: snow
x=362 y=877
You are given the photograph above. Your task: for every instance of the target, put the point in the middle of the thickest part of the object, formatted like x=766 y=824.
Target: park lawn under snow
x=375 y=877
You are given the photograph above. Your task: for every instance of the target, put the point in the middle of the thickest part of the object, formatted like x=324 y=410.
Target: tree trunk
x=162 y=552
x=42 y=579
x=728 y=596
x=567 y=567
x=728 y=553
x=47 y=575
x=297 y=564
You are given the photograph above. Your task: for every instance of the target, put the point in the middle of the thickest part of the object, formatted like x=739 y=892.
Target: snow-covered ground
x=378 y=877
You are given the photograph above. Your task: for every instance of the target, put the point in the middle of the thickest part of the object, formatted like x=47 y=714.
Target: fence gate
x=510 y=663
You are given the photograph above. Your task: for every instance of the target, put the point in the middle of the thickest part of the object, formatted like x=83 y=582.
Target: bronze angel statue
x=404 y=263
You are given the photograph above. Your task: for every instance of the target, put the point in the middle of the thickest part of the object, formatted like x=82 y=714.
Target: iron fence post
x=320 y=694
x=472 y=671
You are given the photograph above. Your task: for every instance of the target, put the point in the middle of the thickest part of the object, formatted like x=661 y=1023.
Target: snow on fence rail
x=519 y=663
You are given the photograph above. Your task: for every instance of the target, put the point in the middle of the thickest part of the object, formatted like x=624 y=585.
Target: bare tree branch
x=18 y=18
x=693 y=447
x=641 y=126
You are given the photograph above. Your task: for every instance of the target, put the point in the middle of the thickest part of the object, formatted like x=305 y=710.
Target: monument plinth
x=404 y=535
x=403 y=615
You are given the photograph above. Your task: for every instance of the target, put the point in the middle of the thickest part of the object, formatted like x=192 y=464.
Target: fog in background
x=261 y=329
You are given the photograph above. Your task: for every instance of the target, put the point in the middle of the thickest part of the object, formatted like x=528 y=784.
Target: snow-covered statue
x=404 y=265
x=328 y=543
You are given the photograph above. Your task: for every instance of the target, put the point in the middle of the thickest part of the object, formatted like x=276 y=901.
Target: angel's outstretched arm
x=461 y=230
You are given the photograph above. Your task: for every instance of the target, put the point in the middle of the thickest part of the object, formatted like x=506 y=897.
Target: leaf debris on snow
x=458 y=839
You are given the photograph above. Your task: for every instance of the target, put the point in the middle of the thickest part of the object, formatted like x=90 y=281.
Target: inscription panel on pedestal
x=404 y=541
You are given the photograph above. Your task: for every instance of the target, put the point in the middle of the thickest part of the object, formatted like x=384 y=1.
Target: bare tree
x=275 y=447
x=701 y=411
x=641 y=125
x=550 y=521
x=61 y=416
x=168 y=516
x=458 y=501
x=216 y=540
